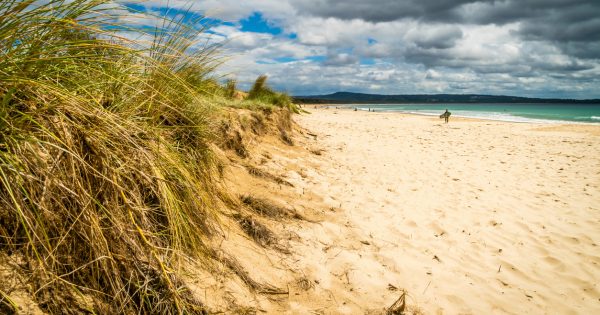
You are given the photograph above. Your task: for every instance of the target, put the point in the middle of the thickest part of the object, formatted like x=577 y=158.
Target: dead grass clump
x=255 y=171
x=285 y=120
x=304 y=284
x=233 y=265
x=234 y=141
x=398 y=307
x=265 y=207
x=256 y=230
x=243 y=310
x=316 y=151
x=258 y=123
x=285 y=137
x=262 y=119
x=284 y=124
x=237 y=126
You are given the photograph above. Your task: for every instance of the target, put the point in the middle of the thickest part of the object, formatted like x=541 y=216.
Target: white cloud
x=463 y=48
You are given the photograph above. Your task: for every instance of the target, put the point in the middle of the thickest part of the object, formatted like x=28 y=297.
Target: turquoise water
x=543 y=113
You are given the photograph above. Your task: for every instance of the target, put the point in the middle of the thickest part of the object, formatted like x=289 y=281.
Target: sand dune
x=478 y=217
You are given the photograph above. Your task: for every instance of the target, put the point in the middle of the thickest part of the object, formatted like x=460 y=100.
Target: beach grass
x=260 y=91
x=107 y=177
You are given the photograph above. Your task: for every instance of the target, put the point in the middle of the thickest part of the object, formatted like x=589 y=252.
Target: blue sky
x=524 y=48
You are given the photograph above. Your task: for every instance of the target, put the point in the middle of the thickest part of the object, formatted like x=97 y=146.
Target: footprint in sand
x=511 y=269
x=455 y=300
x=571 y=240
x=436 y=229
x=411 y=223
x=555 y=263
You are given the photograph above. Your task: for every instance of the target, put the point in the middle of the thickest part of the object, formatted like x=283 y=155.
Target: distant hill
x=361 y=98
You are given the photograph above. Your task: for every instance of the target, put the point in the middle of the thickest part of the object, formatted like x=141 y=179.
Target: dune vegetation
x=108 y=177
x=261 y=92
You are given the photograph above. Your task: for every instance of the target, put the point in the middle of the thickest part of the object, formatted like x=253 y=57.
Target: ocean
x=539 y=113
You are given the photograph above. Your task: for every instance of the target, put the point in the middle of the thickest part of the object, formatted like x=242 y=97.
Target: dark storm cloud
x=573 y=26
x=571 y=66
x=567 y=31
x=508 y=11
x=559 y=20
x=584 y=50
x=432 y=58
x=555 y=20
x=440 y=38
x=381 y=10
x=452 y=11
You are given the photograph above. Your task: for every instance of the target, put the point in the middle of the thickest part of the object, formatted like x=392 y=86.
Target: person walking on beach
x=445 y=115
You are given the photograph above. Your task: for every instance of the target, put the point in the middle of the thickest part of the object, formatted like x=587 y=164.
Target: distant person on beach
x=445 y=115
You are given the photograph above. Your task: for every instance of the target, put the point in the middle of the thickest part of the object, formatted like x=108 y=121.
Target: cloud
x=439 y=36
x=226 y=10
x=531 y=48
x=381 y=10
x=342 y=59
x=565 y=23
x=560 y=21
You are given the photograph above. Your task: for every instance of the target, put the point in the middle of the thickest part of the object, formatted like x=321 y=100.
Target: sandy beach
x=470 y=217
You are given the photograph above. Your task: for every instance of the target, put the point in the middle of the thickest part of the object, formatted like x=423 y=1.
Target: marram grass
x=107 y=179
x=263 y=93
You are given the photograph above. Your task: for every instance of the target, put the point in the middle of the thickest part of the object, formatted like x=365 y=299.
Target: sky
x=531 y=48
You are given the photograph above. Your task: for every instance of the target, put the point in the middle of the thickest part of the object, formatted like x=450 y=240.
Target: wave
x=496 y=116
x=521 y=114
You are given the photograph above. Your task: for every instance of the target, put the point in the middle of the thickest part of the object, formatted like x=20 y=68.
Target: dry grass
x=106 y=176
x=398 y=307
x=238 y=129
x=265 y=207
x=257 y=172
x=285 y=137
x=233 y=265
x=285 y=127
x=258 y=123
x=304 y=284
x=232 y=139
x=256 y=230
x=7 y=305
x=316 y=151
x=261 y=92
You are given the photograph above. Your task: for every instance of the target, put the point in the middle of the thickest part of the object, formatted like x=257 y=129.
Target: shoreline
x=543 y=122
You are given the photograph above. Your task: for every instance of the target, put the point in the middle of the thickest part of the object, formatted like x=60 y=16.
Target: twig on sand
x=398 y=307
x=427 y=287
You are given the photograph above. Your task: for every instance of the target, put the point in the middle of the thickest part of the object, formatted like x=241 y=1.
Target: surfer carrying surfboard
x=445 y=115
